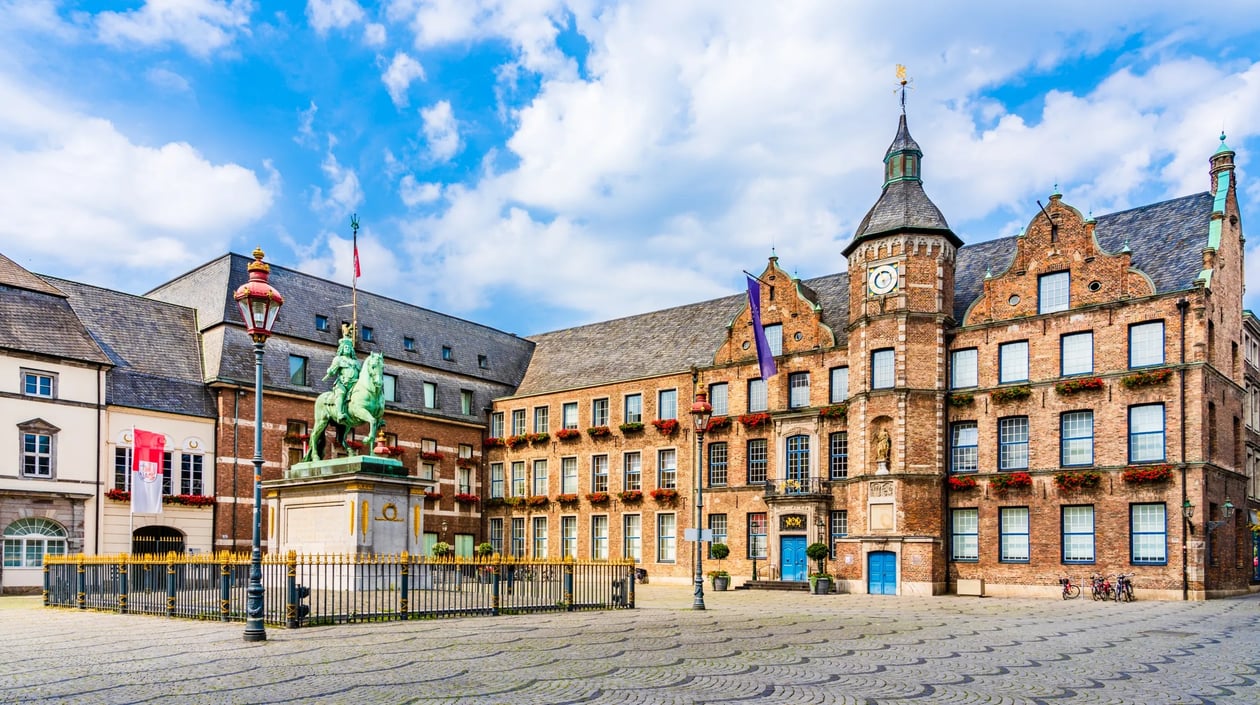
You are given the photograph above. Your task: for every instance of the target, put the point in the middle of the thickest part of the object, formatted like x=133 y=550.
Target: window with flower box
x=518 y=478
x=518 y=422
x=839 y=385
x=964 y=447
x=1078 y=534
x=717 y=464
x=1148 y=532
x=633 y=408
x=1076 y=438
x=1013 y=362
x=599 y=537
x=496 y=480
x=541 y=420
x=1013 y=535
x=599 y=412
x=569 y=415
x=963 y=368
x=718 y=398
x=1146 y=344
x=632 y=467
x=798 y=390
x=540 y=477
x=965 y=534
x=758 y=400
x=568 y=476
x=496 y=424
x=1076 y=354
x=191 y=473
x=667 y=404
x=666 y=543
x=632 y=536
x=599 y=474
x=1013 y=443
x=1146 y=433
x=463 y=478
x=667 y=468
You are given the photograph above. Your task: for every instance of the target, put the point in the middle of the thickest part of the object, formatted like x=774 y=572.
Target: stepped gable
x=152 y=344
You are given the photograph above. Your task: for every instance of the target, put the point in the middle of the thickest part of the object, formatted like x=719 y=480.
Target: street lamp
x=701 y=410
x=259 y=304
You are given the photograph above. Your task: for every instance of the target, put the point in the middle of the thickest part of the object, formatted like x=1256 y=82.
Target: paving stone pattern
x=747 y=647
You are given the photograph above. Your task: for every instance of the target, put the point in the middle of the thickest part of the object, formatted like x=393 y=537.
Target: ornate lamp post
x=259 y=304
x=701 y=410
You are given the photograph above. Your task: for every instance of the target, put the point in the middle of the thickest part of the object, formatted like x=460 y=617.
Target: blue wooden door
x=792 y=550
x=881 y=573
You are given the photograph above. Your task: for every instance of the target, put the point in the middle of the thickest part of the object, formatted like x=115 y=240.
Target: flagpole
x=354 y=291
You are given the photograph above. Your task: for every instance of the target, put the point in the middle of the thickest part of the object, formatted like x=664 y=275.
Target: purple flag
x=764 y=358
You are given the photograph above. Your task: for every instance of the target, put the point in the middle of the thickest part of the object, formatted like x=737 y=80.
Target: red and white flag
x=357 y=272
x=146 y=472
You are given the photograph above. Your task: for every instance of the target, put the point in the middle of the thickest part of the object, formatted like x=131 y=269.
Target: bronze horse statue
x=364 y=404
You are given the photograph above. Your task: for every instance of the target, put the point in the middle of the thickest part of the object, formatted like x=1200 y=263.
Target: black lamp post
x=701 y=410
x=259 y=304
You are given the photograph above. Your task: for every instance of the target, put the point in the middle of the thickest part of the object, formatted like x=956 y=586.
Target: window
x=717 y=525
x=839 y=528
x=1013 y=362
x=540 y=477
x=718 y=398
x=191 y=474
x=667 y=468
x=389 y=387
x=1146 y=344
x=568 y=537
x=122 y=469
x=463 y=480
x=37 y=455
x=599 y=474
x=717 y=464
x=540 y=537
x=29 y=539
x=633 y=468
x=632 y=535
x=963 y=370
x=839 y=384
x=409 y=344
x=1013 y=443
x=466 y=402
x=634 y=408
x=774 y=337
x=496 y=480
x=368 y=335
x=496 y=424
x=599 y=537
x=599 y=412
x=1146 y=433
x=297 y=370
x=1052 y=292
x=757 y=460
x=838 y=455
x=38 y=384
x=667 y=404
x=1013 y=534
x=965 y=534
x=518 y=478
x=757 y=535
x=568 y=475
x=542 y=419
x=496 y=535
x=1078 y=534
x=798 y=390
x=321 y=323
x=757 y=398
x=882 y=369
x=168 y=473
x=430 y=395
x=447 y=354
x=483 y=362
x=798 y=462
x=964 y=451
x=1148 y=529
x=666 y=525
x=1077 y=438
x=1076 y=354
x=568 y=415
x=518 y=536
x=518 y=422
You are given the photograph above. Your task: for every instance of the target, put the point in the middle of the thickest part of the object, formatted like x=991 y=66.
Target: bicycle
x=1100 y=586
x=1124 y=588
x=1071 y=590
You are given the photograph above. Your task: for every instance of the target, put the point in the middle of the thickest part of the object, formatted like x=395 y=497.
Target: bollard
x=568 y=587
x=170 y=584
x=403 y=605
x=631 y=581
x=225 y=588
x=494 y=592
x=291 y=591
x=81 y=599
x=122 y=583
x=47 y=585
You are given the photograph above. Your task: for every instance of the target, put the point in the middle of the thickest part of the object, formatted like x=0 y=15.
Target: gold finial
x=258 y=265
x=902 y=80
x=901 y=74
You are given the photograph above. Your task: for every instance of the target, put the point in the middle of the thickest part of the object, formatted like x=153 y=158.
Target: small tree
x=442 y=549
x=818 y=551
x=485 y=549
x=719 y=551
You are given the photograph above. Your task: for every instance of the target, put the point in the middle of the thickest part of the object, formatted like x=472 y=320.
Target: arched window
x=29 y=539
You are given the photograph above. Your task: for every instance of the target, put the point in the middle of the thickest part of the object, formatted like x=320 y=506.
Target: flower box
x=1073 y=386
x=466 y=463
x=434 y=457
x=755 y=420
x=514 y=501
x=494 y=442
x=494 y=502
x=1146 y=379
x=1002 y=395
x=667 y=427
x=465 y=498
x=392 y=451
x=1139 y=474
x=429 y=494
x=568 y=434
x=515 y=442
x=630 y=496
x=962 y=483
x=598 y=498
x=598 y=432
x=537 y=438
x=960 y=400
x=537 y=500
x=567 y=499
x=186 y=500
x=631 y=427
x=354 y=445
x=718 y=423
x=296 y=438
x=664 y=496
x=1010 y=481
x=835 y=411
x=1087 y=480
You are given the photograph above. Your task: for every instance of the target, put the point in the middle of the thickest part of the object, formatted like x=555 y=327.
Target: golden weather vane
x=903 y=81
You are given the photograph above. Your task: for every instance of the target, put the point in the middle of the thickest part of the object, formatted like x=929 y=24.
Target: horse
x=364 y=404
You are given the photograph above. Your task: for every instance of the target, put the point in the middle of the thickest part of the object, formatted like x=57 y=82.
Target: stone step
x=791 y=585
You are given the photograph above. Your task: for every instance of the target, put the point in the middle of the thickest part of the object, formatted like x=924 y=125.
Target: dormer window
x=368 y=335
x=483 y=362
x=447 y=354
x=409 y=344
x=321 y=323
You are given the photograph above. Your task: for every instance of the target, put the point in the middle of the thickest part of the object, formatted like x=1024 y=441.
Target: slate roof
x=903 y=205
x=153 y=345
x=36 y=318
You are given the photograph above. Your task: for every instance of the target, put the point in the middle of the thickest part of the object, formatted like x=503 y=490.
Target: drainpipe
x=99 y=512
x=1183 y=306
x=236 y=454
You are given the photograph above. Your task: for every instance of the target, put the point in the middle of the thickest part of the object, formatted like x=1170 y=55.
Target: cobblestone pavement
x=748 y=647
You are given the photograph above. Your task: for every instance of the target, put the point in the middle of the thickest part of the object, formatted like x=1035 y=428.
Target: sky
x=538 y=164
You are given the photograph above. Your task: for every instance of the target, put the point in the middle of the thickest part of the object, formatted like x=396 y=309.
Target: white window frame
x=1013 y=362
x=964 y=368
x=1054 y=292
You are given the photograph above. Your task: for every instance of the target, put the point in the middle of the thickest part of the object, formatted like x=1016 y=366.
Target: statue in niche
x=883 y=446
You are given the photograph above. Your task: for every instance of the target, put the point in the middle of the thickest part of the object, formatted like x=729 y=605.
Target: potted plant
x=442 y=549
x=819 y=581
x=484 y=550
x=720 y=578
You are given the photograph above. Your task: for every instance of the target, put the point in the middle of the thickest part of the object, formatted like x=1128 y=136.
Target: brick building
x=1066 y=401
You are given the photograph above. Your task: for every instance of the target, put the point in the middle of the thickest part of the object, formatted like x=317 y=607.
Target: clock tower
x=901 y=297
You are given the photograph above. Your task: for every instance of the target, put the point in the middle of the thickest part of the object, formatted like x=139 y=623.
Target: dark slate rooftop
x=36 y=318
x=153 y=345
x=903 y=142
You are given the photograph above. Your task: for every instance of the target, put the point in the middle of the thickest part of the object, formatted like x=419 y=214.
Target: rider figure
x=344 y=370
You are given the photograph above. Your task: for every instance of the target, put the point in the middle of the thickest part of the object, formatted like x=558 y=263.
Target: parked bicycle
x=1124 y=588
x=1100 y=586
x=1071 y=590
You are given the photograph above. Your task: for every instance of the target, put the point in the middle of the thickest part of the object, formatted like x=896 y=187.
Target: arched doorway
x=881 y=573
x=156 y=540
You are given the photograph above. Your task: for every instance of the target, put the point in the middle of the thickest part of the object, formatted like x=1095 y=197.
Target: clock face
x=882 y=279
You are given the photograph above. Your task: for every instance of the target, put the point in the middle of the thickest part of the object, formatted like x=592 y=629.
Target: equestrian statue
x=357 y=397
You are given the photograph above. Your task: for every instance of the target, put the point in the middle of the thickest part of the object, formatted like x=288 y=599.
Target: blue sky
x=537 y=164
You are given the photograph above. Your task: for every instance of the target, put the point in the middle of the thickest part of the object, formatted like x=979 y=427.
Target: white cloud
x=167 y=80
x=374 y=34
x=401 y=72
x=441 y=131
x=332 y=257
x=201 y=26
x=414 y=193
x=332 y=14
x=306 y=127
x=344 y=193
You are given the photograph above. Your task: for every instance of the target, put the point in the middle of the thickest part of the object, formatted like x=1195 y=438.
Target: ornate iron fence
x=329 y=589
